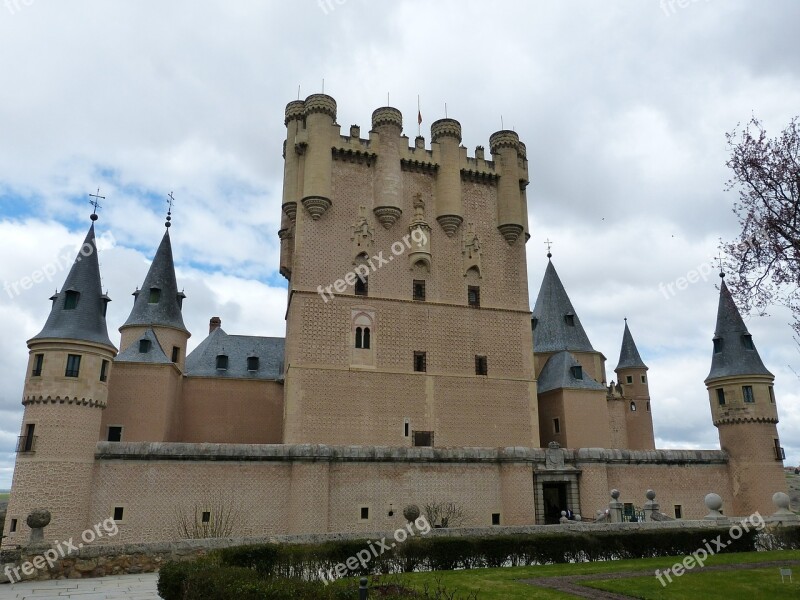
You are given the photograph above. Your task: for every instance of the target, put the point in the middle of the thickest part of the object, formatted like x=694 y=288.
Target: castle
x=412 y=370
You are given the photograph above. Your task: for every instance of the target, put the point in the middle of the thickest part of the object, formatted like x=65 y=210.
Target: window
x=252 y=364
x=362 y=286
x=648 y=406
x=534 y=323
x=104 y=371
x=720 y=396
x=423 y=438
x=717 y=345
x=747 y=340
x=747 y=394
x=495 y=518
x=569 y=319
x=771 y=395
x=419 y=289
x=119 y=512
x=365 y=513
x=71 y=300
x=114 y=433
x=144 y=346
x=629 y=379
x=13 y=527
x=474 y=296
x=362 y=338
x=420 y=362
x=678 y=511
x=481 y=366
x=176 y=354
x=222 y=362
x=406 y=427
x=633 y=406
x=206 y=517
x=780 y=454
x=576 y=371
x=38 y=362
x=27 y=443
x=155 y=296
x=73 y=365
x=556 y=426
x=644 y=379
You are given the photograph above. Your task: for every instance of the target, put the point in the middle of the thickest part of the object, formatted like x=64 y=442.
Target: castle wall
x=617 y=422
x=219 y=410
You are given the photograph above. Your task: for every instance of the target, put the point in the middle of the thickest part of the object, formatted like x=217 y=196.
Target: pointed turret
x=629 y=355
x=159 y=303
x=555 y=324
x=79 y=310
x=734 y=350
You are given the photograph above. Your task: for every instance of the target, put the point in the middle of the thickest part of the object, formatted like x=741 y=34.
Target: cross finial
x=170 y=203
x=548 y=243
x=95 y=202
x=720 y=258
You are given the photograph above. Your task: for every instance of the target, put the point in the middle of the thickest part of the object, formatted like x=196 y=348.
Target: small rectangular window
x=420 y=362
x=474 y=296
x=206 y=518
x=556 y=426
x=648 y=406
x=780 y=453
x=362 y=286
x=721 y=396
x=155 y=296
x=406 y=428
x=73 y=365
x=678 y=511
x=176 y=354
x=771 y=395
x=28 y=441
x=114 y=433
x=38 y=362
x=747 y=340
x=747 y=394
x=222 y=362
x=644 y=379
x=495 y=518
x=419 y=289
x=119 y=513
x=13 y=527
x=252 y=364
x=569 y=319
x=365 y=513
x=717 y=345
x=629 y=379
x=534 y=323
x=104 y=371
x=71 y=300
x=423 y=438
x=577 y=372
x=144 y=346
x=481 y=365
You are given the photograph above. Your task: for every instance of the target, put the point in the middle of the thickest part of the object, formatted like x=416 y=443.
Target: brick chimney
x=214 y=324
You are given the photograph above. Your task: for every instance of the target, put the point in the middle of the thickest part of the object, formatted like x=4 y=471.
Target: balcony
x=26 y=444
x=780 y=453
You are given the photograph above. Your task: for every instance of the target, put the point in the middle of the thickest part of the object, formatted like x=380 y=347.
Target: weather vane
x=720 y=258
x=95 y=202
x=548 y=243
x=170 y=203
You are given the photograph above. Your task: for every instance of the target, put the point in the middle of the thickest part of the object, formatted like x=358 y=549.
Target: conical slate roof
x=166 y=310
x=86 y=321
x=629 y=355
x=557 y=374
x=556 y=326
x=734 y=350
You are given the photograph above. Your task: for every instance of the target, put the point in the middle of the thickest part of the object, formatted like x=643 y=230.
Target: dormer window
x=747 y=340
x=633 y=406
x=144 y=346
x=577 y=372
x=569 y=319
x=222 y=362
x=717 y=345
x=252 y=364
x=534 y=323
x=181 y=296
x=155 y=295
x=71 y=300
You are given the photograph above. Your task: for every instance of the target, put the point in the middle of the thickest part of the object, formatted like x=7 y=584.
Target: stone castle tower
x=408 y=299
x=632 y=376
x=744 y=411
x=66 y=390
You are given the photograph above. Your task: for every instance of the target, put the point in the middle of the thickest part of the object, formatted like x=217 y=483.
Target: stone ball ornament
x=38 y=518
x=411 y=512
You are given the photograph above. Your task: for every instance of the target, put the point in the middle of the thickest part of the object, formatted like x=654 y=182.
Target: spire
x=79 y=310
x=629 y=355
x=734 y=350
x=159 y=302
x=556 y=326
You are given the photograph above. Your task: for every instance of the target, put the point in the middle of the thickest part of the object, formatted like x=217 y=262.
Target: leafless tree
x=215 y=517
x=445 y=514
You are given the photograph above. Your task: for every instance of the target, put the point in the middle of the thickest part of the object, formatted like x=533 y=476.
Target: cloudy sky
x=623 y=106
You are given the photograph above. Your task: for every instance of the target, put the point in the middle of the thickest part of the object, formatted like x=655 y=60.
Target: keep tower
x=744 y=411
x=66 y=389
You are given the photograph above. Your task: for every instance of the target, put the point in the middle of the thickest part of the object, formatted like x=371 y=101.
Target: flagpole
x=419 y=119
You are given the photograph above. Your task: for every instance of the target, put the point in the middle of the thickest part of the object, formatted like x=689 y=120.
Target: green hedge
x=292 y=571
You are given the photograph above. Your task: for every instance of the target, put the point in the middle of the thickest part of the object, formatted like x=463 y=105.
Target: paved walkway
x=129 y=587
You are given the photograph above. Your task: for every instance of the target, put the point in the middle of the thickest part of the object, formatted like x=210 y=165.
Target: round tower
x=632 y=375
x=292 y=182
x=445 y=141
x=744 y=412
x=66 y=389
x=505 y=149
x=320 y=115
x=388 y=123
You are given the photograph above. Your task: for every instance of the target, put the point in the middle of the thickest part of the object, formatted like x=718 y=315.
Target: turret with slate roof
x=634 y=401
x=744 y=411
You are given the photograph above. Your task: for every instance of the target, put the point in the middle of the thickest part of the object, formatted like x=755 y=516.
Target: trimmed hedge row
x=275 y=571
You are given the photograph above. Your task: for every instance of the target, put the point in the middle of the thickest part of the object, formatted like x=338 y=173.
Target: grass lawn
x=503 y=584
x=4 y=496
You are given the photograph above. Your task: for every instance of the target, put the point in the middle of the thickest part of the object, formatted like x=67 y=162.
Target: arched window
x=359 y=338
x=366 y=338
x=633 y=406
